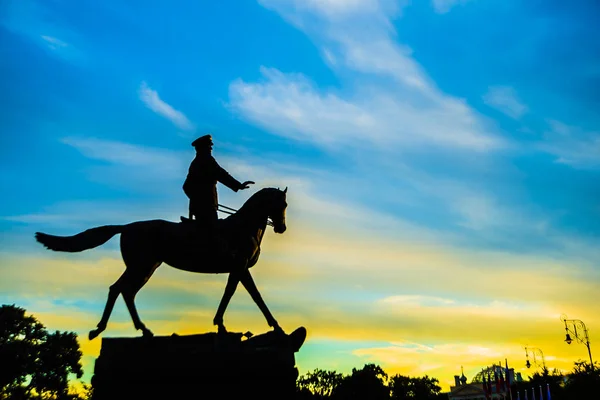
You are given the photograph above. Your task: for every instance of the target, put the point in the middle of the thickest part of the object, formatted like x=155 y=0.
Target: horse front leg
x=230 y=288
x=250 y=286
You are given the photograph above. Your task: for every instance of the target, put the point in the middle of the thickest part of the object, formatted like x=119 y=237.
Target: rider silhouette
x=200 y=185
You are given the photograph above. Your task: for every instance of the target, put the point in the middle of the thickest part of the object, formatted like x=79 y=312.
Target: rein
x=231 y=211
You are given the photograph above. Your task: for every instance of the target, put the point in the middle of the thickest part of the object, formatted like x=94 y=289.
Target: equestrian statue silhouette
x=187 y=246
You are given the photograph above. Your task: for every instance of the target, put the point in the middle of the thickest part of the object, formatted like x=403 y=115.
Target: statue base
x=203 y=366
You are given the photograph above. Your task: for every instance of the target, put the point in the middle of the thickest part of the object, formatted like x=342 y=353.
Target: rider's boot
x=215 y=241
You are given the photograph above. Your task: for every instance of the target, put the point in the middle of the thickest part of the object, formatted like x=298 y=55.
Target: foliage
x=35 y=364
x=407 y=388
x=371 y=382
x=555 y=379
x=366 y=383
x=583 y=381
x=578 y=384
x=319 y=383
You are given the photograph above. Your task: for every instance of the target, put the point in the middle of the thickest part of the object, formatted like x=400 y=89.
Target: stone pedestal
x=204 y=366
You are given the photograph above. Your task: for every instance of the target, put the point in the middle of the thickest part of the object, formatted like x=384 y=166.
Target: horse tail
x=85 y=240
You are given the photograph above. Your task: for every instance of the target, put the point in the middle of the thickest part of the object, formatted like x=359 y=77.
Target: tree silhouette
x=35 y=363
x=580 y=383
x=555 y=379
x=319 y=383
x=367 y=383
x=420 y=388
x=583 y=382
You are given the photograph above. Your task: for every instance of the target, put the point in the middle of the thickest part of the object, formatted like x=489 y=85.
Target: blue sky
x=463 y=133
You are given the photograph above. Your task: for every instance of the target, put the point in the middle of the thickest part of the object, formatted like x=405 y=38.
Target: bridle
x=231 y=211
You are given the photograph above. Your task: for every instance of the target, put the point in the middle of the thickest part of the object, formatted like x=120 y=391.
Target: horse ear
x=285 y=190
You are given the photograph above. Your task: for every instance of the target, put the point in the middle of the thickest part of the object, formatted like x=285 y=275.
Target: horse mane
x=258 y=196
x=251 y=203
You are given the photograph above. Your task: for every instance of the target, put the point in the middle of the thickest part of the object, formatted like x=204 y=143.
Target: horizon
x=442 y=161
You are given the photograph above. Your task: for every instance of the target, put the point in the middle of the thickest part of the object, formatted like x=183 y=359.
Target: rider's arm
x=225 y=178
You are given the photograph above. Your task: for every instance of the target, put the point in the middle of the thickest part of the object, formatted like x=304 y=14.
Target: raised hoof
x=94 y=334
x=297 y=338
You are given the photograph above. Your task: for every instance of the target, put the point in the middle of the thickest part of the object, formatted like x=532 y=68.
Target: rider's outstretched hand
x=246 y=185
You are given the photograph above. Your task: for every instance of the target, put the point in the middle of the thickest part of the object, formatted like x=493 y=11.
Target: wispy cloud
x=505 y=100
x=123 y=153
x=131 y=164
x=410 y=358
x=54 y=43
x=572 y=145
x=290 y=105
x=336 y=8
x=444 y=6
x=416 y=301
x=73 y=215
x=487 y=308
x=393 y=104
x=481 y=212
x=153 y=101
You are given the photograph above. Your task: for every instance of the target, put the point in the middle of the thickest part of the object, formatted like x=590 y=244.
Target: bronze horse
x=145 y=245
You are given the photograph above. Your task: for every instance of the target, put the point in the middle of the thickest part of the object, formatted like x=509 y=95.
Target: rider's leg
x=205 y=217
x=206 y=221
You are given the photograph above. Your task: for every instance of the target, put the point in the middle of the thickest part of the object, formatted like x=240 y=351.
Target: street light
x=571 y=326
x=568 y=339
x=533 y=351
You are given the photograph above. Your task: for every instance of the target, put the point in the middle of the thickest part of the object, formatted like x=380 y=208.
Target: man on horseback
x=200 y=185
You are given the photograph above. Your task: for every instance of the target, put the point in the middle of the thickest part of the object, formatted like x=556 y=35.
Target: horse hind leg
x=131 y=285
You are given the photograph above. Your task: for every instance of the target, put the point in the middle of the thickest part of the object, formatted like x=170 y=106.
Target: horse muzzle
x=279 y=228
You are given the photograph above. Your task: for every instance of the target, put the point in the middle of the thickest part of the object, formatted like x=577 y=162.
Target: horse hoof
x=278 y=331
x=147 y=333
x=94 y=334
x=221 y=330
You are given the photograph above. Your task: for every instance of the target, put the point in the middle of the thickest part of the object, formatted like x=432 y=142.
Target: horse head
x=276 y=211
x=270 y=204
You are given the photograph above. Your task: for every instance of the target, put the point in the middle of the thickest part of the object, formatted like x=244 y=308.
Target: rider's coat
x=201 y=184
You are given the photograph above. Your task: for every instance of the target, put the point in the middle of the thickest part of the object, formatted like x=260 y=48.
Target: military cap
x=202 y=141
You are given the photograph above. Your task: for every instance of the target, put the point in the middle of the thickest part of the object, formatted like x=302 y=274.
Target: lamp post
x=533 y=351
x=571 y=328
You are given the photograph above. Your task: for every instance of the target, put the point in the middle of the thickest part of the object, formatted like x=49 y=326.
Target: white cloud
x=122 y=153
x=54 y=43
x=339 y=7
x=481 y=212
x=505 y=100
x=73 y=215
x=393 y=104
x=153 y=162
x=334 y=9
x=152 y=100
x=424 y=304
x=443 y=6
x=290 y=105
x=439 y=359
x=416 y=301
x=572 y=145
